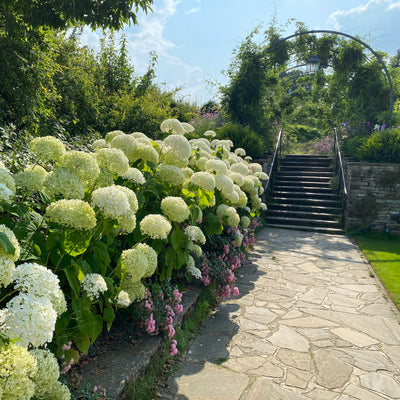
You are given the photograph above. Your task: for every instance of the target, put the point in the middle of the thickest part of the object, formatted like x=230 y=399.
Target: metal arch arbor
x=379 y=58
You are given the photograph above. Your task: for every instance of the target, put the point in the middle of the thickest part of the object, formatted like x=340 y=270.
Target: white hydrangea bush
x=111 y=218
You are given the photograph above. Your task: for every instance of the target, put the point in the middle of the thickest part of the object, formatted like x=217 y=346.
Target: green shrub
x=351 y=145
x=244 y=137
x=302 y=133
x=382 y=146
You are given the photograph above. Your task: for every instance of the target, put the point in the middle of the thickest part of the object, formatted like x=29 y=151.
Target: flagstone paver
x=311 y=322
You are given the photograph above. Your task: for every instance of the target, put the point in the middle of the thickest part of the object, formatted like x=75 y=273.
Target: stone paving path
x=311 y=322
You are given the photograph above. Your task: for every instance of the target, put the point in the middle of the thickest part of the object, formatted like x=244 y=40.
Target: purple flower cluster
x=324 y=145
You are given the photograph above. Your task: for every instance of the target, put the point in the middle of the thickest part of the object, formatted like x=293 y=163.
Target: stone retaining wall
x=373 y=196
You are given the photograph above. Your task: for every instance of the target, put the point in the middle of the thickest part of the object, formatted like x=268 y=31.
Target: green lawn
x=383 y=252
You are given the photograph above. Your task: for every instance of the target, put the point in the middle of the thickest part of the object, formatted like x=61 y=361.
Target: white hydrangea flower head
x=170 y=174
x=255 y=202
x=242 y=202
x=240 y=152
x=234 y=159
x=47 y=374
x=249 y=186
x=255 y=167
x=178 y=145
x=209 y=133
x=228 y=215
x=11 y=237
x=237 y=178
x=192 y=270
x=172 y=159
x=147 y=153
x=135 y=289
x=59 y=391
x=263 y=207
x=203 y=145
x=151 y=255
x=261 y=175
x=131 y=196
x=111 y=200
x=240 y=168
x=126 y=143
x=232 y=196
x=134 y=175
x=138 y=135
x=18 y=368
x=156 y=226
x=135 y=263
x=187 y=172
x=29 y=181
x=238 y=237
x=195 y=234
x=123 y=299
x=172 y=126
x=187 y=127
x=104 y=179
x=77 y=214
x=111 y=135
x=112 y=159
x=175 y=208
x=204 y=180
x=145 y=141
x=216 y=166
x=194 y=248
x=99 y=144
x=126 y=223
x=245 y=221
x=6 y=194
x=82 y=164
x=37 y=280
x=6 y=270
x=2 y=165
x=248 y=158
x=30 y=320
x=62 y=182
x=202 y=162
x=224 y=143
x=47 y=148
x=224 y=183
x=94 y=285
x=7 y=180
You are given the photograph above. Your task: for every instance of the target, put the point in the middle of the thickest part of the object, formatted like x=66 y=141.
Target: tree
x=64 y=13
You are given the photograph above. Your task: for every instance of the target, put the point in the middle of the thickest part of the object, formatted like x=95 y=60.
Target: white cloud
x=193 y=10
x=376 y=20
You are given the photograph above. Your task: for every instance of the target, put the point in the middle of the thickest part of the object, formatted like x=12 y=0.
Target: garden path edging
x=124 y=362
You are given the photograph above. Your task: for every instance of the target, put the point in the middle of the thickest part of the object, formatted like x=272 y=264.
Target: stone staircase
x=302 y=197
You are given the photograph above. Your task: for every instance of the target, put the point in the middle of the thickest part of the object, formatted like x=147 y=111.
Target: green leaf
x=75 y=242
x=108 y=316
x=177 y=238
x=70 y=273
x=52 y=240
x=182 y=259
x=212 y=225
x=90 y=323
x=83 y=342
x=100 y=252
x=6 y=244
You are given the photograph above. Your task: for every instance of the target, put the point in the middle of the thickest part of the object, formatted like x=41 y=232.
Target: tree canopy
x=64 y=13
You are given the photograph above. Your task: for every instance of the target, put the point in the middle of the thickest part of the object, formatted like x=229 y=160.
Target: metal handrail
x=274 y=164
x=339 y=165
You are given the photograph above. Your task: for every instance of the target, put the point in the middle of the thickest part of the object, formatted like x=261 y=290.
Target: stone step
x=334 y=231
x=301 y=221
x=317 y=163
x=304 y=194
x=304 y=173
x=305 y=208
x=305 y=183
x=298 y=177
x=302 y=188
x=302 y=214
x=305 y=201
x=304 y=168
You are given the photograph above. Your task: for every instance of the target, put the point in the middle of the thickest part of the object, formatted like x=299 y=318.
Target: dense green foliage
x=381 y=146
x=244 y=137
x=267 y=82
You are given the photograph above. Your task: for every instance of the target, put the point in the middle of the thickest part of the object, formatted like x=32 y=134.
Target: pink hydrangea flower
x=173 y=350
x=178 y=308
x=235 y=291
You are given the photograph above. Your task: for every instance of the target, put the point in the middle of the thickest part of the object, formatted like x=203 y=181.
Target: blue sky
x=194 y=39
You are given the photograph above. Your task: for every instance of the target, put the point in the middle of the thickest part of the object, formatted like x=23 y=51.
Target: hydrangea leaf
x=6 y=244
x=75 y=242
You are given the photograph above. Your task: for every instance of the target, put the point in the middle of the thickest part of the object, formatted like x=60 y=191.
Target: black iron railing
x=339 y=173
x=275 y=161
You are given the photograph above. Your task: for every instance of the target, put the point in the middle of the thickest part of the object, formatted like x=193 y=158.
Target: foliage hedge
x=381 y=146
x=84 y=233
